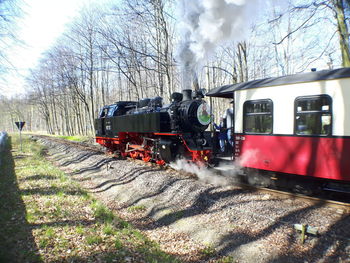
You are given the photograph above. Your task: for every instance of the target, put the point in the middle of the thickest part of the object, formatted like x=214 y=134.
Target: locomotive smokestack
x=187 y=94
x=195 y=84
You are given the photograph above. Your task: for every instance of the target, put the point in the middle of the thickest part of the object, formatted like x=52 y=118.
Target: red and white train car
x=297 y=124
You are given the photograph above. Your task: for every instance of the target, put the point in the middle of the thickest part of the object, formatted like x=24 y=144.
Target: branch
x=222 y=69
x=295 y=30
x=324 y=50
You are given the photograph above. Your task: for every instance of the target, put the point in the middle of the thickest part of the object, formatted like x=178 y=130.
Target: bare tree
x=316 y=14
x=127 y=53
x=9 y=12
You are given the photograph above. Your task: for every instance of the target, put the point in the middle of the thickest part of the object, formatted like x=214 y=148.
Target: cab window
x=111 y=110
x=103 y=113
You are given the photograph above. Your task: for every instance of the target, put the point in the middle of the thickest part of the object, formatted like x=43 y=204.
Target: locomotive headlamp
x=203 y=114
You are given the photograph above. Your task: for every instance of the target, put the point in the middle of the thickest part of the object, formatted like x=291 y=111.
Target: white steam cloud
x=248 y=156
x=228 y=172
x=204 y=24
x=226 y=177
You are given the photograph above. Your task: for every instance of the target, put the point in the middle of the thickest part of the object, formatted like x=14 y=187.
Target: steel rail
x=310 y=199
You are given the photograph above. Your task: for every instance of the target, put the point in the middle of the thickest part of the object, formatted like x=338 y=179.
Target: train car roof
x=227 y=90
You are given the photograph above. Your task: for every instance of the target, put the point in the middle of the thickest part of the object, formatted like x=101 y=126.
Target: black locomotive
x=149 y=130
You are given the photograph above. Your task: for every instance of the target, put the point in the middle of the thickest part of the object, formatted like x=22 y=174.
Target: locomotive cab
x=103 y=122
x=100 y=126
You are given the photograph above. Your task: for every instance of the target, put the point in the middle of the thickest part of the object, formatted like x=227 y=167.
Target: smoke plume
x=205 y=175
x=209 y=176
x=207 y=23
x=229 y=172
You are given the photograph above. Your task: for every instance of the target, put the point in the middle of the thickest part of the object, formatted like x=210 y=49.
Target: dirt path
x=193 y=219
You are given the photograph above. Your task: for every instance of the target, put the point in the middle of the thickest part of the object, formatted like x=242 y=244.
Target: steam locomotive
x=149 y=130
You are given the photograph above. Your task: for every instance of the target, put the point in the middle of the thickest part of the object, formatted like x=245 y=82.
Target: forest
x=133 y=49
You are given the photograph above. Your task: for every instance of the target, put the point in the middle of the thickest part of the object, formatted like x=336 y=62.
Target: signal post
x=20 y=125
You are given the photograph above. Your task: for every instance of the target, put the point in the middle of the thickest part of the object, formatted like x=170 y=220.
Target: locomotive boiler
x=149 y=130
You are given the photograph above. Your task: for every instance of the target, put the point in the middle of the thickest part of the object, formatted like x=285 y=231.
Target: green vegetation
x=208 y=252
x=136 y=208
x=227 y=259
x=101 y=212
x=46 y=217
x=74 y=138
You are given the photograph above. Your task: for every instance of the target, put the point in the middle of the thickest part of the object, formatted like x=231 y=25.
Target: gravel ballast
x=196 y=220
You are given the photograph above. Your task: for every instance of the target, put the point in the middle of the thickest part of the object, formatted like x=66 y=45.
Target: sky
x=42 y=22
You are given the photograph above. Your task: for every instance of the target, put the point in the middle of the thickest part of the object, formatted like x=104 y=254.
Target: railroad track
x=82 y=145
x=344 y=207
x=340 y=204
x=310 y=199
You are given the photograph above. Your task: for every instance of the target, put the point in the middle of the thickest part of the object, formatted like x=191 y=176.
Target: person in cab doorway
x=228 y=116
x=222 y=134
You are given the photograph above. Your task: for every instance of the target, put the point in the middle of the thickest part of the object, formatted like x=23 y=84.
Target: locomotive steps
x=187 y=215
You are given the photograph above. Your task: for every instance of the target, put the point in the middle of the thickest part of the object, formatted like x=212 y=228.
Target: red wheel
x=160 y=162
x=146 y=159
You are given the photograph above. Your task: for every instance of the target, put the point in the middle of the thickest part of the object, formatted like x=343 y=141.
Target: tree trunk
x=342 y=31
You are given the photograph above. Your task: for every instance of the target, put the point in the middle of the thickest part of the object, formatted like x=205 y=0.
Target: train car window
x=258 y=116
x=313 y=115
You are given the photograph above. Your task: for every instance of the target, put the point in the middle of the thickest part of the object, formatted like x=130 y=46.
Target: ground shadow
x=50 y=191
x=204 y=201
x=331 y=246
x=124 y=179
x=64 y=223
x=79 y=158
x=231 y=241
x=161 y=190
x=17 y=243
x=335 y=239
x=39 y=177
x=93 y=167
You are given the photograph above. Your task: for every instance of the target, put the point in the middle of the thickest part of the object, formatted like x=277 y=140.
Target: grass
x=47 y=217
x=102 y=213
x=93 y=239
x=136 y=208
x=227 y=259
x=208 y=252
x=74 y=138
x=109 y=229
